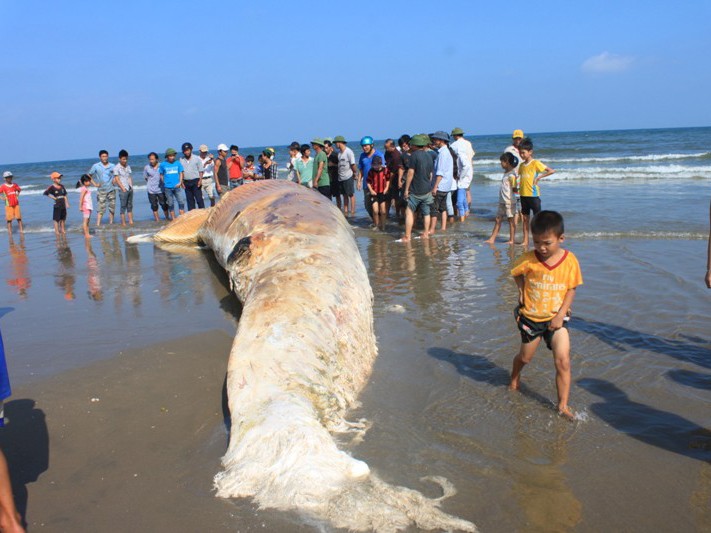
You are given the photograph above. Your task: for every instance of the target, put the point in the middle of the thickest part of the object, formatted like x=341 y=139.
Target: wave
x=650 y=235
x=622 y=173
x=35 y=190
x=699 y=156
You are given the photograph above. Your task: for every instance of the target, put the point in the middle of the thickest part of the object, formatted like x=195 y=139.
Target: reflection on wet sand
x=539 y=483
x=65 y=277
x=134 y=277
x=93 y=274
x=177 y=276
x=19 y=277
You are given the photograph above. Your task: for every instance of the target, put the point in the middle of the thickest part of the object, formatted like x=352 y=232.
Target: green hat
x=339 y=139
x=328 y=140
x=319 y=141
x=420 y=140
x=457 y=131
x=170 y=151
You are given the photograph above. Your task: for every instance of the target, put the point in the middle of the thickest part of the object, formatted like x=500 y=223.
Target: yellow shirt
x=544 y=287
x=527 y=173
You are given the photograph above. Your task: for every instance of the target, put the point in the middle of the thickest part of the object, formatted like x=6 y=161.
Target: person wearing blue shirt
x=443 y=179
x=171 y=172
x=102 y=176
x=365 y=161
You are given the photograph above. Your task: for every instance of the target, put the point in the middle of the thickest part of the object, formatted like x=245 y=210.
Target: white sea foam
x=479 y=162
x=650 y=172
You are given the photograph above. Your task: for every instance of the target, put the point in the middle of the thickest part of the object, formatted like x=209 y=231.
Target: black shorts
x=156 y=199
x=325 y=190
x=347 y=187
x=530 y=203
x=379 y=198
x=440 y=204
x=531 y=330
x=335 y=188
x=59 y=213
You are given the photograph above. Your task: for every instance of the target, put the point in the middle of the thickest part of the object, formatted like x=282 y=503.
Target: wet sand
x=130 y=443
x=144 y=329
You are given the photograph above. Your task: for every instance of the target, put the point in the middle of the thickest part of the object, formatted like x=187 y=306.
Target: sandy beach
x=147 y=331
x=128 y=443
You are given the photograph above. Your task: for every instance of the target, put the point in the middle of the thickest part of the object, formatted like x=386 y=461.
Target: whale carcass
x=303 y=351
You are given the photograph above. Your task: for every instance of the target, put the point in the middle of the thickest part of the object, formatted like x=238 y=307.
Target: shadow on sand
x=479 y=368
x=25 y=442
x=687 y=348
x=649 y=425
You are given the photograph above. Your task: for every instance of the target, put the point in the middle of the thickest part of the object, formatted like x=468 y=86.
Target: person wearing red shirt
x=378 y=183
x=10 y=192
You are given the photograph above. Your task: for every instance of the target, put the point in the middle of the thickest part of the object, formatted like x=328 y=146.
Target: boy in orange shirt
x=9 y=192
x=546 y=278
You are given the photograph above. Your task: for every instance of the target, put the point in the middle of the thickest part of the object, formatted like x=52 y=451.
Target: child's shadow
x=691 y=349
x=649 y=425
x=25 y=442
x=479 y=368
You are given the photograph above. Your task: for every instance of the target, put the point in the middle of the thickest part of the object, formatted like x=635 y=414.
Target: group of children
x=519 y=196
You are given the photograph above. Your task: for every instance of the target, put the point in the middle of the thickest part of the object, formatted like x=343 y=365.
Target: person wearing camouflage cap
x=418 y=192
x=321 y=180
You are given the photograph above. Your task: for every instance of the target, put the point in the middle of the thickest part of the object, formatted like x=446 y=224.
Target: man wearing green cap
x=321 y=180
x=418 y=190
x=171 y=172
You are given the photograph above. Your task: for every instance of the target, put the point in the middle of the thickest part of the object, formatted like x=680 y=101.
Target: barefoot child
x=86 y=205
x=123 y=180
x=10 y=192
x=507 y=203
x=378 y=183
x=58 y=193
x=546 y=279
x=530 y=172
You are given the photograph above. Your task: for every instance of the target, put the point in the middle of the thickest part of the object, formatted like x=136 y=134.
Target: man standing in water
x=465 y=153
x=102 y=175
x=192 y=177
x=321 y=180
x=222 y=179
x=393 y=160
x=516 y=139
x=346 y=175
x=418 y=190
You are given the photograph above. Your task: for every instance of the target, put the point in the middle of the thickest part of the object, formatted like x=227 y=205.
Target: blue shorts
x=175 y=194
x=424 y=200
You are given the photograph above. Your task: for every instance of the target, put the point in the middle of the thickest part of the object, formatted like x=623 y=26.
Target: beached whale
x=304 y=349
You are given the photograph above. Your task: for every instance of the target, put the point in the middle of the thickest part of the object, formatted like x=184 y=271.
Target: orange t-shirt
x=544 y=286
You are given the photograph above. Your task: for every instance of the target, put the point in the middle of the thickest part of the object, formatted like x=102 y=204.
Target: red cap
x=55 y=175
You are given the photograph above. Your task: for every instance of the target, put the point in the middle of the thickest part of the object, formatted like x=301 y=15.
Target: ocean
x=638 y=457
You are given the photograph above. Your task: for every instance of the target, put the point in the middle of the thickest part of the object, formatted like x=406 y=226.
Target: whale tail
x=284 y=458
x=185 y=228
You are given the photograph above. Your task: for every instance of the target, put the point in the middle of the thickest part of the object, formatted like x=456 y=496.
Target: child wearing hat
x=378 y=183
x=58 y=194
x=9 y=192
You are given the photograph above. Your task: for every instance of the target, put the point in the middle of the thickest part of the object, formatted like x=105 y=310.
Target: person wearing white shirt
x=465 y=154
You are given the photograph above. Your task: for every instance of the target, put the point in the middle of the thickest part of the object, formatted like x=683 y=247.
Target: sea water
x=636 y=208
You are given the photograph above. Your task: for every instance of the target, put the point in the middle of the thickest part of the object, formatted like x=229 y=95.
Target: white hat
x=222 y=147
x=7 y=174
x=204 y=148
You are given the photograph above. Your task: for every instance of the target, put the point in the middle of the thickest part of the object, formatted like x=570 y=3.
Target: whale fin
x=184 y=229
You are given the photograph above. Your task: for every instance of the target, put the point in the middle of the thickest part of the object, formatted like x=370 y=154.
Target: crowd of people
x=426 y=174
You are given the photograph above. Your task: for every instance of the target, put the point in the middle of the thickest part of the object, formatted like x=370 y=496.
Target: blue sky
x=78 y=76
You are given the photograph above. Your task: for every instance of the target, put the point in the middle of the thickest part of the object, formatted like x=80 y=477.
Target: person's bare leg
x=9 y=228
x=494 y=232
x=561 y=357
x=409 y=222
x=431 y=228
x=525 y=230
x=512 y=231
x=19 y=224
x=524 y=356
x=130 y=218
x=444 y=220
x=426 y=221
x=123 y=219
